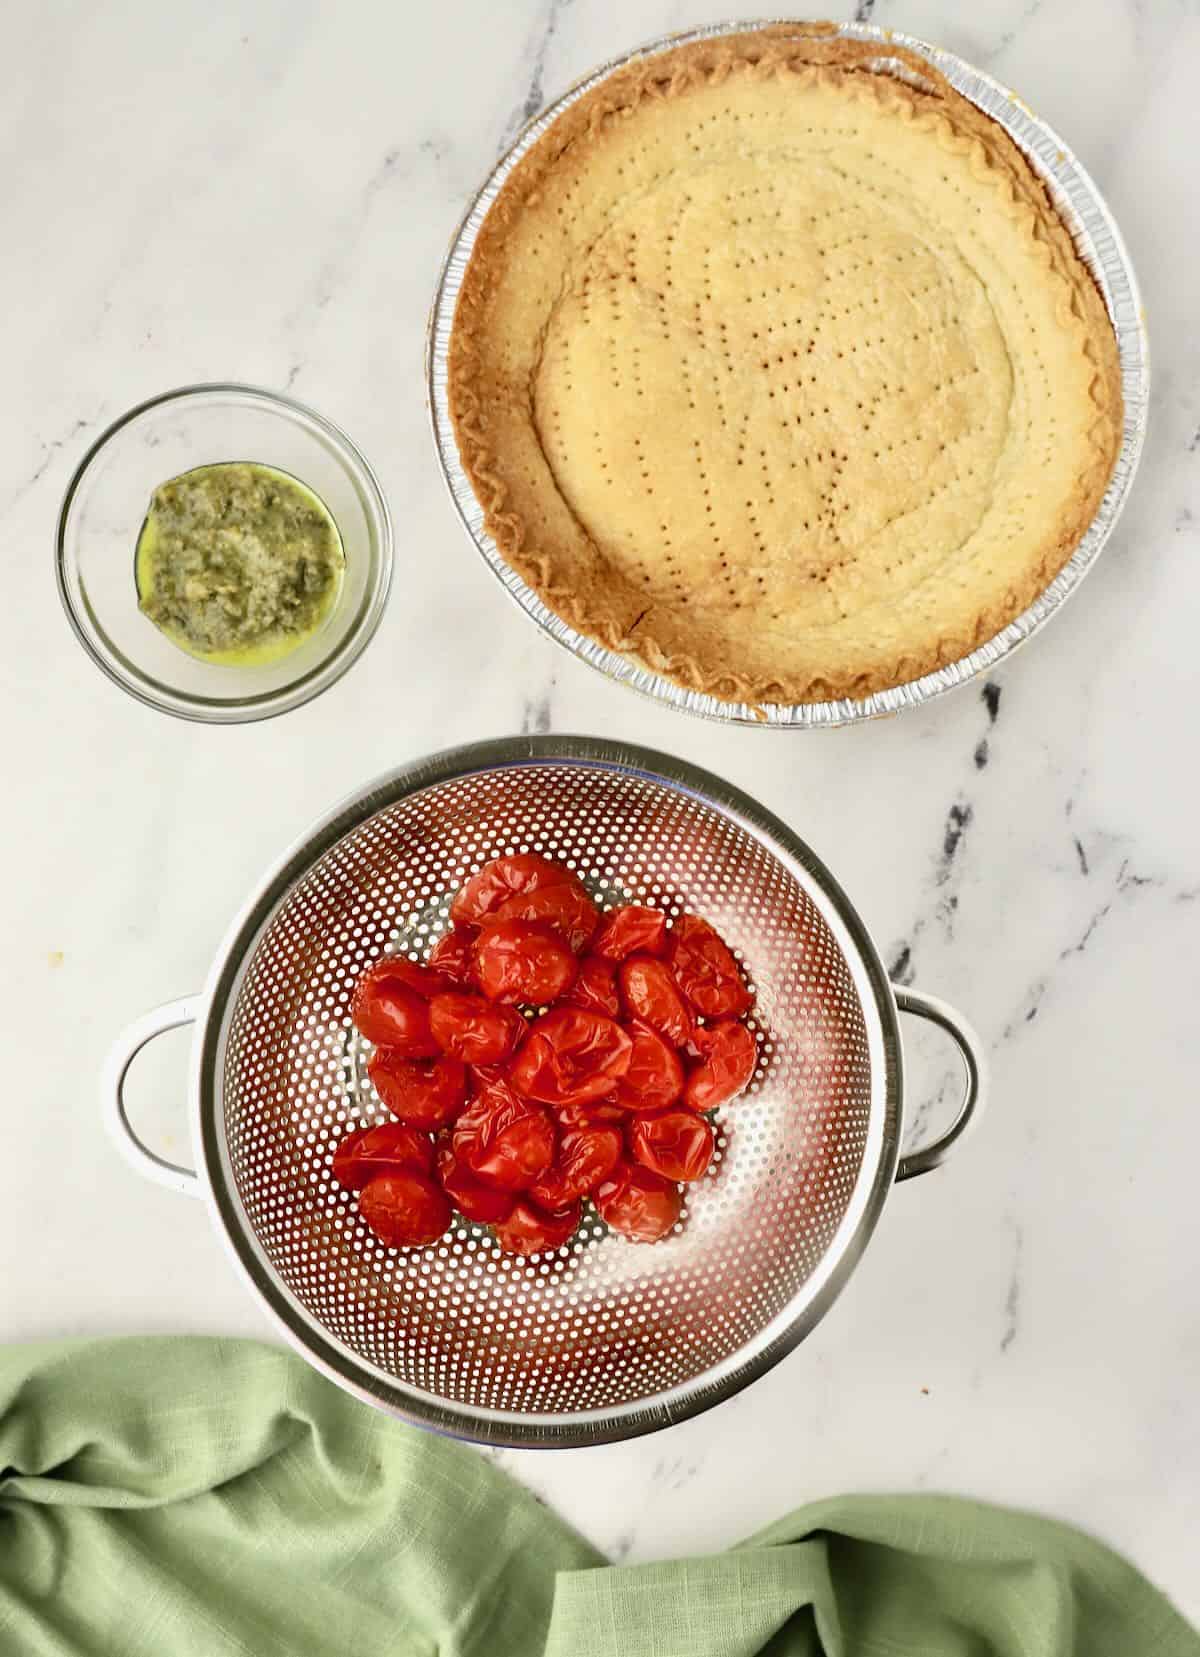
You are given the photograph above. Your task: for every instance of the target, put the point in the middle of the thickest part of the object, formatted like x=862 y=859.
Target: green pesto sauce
x=238 y=563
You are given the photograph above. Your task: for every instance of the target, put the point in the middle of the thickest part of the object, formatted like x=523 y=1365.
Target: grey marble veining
x=194 y=194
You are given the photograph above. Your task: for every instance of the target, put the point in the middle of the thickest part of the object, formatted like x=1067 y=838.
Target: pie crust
x=780 y=373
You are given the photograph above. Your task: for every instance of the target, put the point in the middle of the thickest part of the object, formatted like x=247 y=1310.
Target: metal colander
x=602 y=1338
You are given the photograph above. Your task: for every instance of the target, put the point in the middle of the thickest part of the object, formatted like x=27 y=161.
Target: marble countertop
x=191 y=198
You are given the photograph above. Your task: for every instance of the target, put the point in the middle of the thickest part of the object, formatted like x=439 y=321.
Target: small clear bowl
x=102 y=514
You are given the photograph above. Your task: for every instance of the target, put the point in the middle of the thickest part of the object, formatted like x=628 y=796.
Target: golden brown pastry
x=782 y=374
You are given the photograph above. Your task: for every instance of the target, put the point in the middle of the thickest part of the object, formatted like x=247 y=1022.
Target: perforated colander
x=603 y=1338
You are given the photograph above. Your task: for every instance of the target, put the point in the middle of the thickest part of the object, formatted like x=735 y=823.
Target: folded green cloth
x=197 y=1498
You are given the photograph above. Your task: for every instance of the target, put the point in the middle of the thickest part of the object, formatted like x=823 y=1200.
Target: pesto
x=238 y=562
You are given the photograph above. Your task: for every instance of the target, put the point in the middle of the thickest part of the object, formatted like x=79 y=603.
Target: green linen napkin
x=201 y=1498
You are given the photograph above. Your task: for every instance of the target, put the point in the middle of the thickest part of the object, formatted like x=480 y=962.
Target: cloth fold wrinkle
x=216 y=1498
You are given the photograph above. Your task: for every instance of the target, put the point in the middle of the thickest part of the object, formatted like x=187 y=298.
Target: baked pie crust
x=781 y=374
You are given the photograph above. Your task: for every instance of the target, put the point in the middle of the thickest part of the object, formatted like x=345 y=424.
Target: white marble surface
x=265 y=192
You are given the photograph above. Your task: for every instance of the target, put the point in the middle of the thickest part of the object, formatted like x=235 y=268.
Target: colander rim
x=567 y=1429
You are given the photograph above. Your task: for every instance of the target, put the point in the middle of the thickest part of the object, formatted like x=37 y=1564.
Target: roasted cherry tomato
x=423 y=980
x=705 y=969
x=654 y=1079
x=567 y=909
x=650 y=993
x=523 y=961
x=390 y=1012
x=631 y=929
x=485 y=1204
x=585 y=1156
x=472 y=1069
x=596 y=987
x=637 y=1202
x=503 y=878
x=530 y=1230
x=677 y=1144
x=405 y=1210
x=385 y=1149
x=454 y=957
x=729 y=1054
x=424 y=1093
x=472 y=1029
x=488 y=1075
x=593 y=1113
x=569 y=1056
x=504 y=1139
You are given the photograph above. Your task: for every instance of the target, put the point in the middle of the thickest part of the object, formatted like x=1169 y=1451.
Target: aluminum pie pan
x=1099 y=243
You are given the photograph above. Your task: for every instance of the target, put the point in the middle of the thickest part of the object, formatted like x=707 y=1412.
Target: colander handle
x=112 y=1094
x=960 y=1032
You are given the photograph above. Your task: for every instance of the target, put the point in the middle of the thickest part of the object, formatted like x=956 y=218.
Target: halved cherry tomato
x=484 y=1204
x=502 y=878
x=585 y=1156
x=523 y=961
x=596 y=987
x=631 y=928
x=677 y=1144
x=454 y=957
x=637 y=1202
x=655 y=1075
x=390 y=1012
x=472 y=1029
x=571 y=1055
x=385 y=1149
x=566 y=908
x=729 y=1054
x=405 y=1210
x=530 y=1230
x=503 y=1139
x=423 y=1093
x=651 y=994
x=705 y=969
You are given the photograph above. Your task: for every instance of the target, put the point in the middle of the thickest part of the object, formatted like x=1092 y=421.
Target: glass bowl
x=105 y=505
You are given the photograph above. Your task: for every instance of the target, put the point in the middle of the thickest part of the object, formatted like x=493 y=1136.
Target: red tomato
x=422 y=1093
x=729 y=1054
x=593 y=1113
x=472 y=1029
x=705 y=969
x=390 y=1012
x=596 y=987
x=405 y=1210
x=398 y=969
x=677 y=1144
x=586 y=1155
x=622 y=931
x=503 y=1139
x=651 y=994
x=502 y=878
x=655 y=1075
x=567 y=909
x=385 y=1149
x=479 y=1202
x=485 y=1076
x=530 y=1230
x=522 y=961
x=571 y=1055
x=637 y=1202
x=453 y=956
